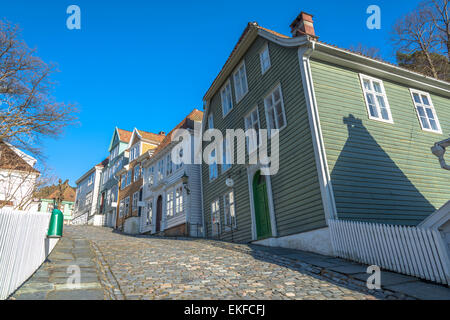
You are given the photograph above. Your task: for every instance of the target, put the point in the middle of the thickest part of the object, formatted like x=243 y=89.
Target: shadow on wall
x=369 y=186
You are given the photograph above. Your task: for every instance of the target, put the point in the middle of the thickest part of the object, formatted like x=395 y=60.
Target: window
x=376 y=99
x=211 y=121
x=114 y=153
x=134 y=152
x=240 y=82
x=88 y=199
x=252 y=122
x=425 y=111
x=121 y=208
x=169 y=164
x=265 y=59
x=169 y=204
x=129 y=173
x=134 y=204
x=276 y=118
x=226 y=154
x=213 y=166
x=229 y=212
x=215 y=217
x=227 y=100
x=123 y=181
x=150 y=175
x=179 y=200
x=149 y=215
x=127 y=206
x=137 y=172
x=160 y=170
x=90 y=179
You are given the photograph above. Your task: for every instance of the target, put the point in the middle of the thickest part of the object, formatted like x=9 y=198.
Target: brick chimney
x=303 y=25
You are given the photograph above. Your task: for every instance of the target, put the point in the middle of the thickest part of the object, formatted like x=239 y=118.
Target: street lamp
x=185 y=180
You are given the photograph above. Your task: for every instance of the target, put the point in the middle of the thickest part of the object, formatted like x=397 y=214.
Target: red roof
x=10 y=160
x=195 y=115
x=124 y=135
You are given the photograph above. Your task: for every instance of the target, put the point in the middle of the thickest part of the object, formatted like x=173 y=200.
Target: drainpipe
x=439 y=150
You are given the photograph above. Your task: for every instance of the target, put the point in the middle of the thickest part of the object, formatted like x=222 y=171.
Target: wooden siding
x=380 y=172
x=296 y=192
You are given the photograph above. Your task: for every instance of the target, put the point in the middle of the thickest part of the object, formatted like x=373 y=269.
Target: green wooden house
x=354 y=141
x=48 y=194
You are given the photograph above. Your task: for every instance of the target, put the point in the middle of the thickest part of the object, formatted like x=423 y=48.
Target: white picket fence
x=23 y=247
x=409 y=250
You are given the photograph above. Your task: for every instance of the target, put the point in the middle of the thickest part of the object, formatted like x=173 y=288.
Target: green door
x=262 y=216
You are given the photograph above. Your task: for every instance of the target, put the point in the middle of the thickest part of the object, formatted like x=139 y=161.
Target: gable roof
x=123 y=135
x=253 y=30
x=12 y=158
x=187 y=123
x=147 y=137
x=51 y=192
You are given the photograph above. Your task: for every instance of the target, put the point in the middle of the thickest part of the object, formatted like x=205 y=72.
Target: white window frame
x=215 y=211
x=229 y=222
x=213 y=168
x=134 y=204
x=363 y=77
x=431 y=106
x=169 y=204
x=179 y=200
x=270 y=94
x=226 y=155
x=211 y=121
x=136 y=174
x=223 y=92
x=169 y=164
x=238 y=75
x=250 y=147
x=264 y=49
x=149 y=213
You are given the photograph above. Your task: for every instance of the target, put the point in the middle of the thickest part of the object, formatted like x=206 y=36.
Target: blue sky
x=146 y=64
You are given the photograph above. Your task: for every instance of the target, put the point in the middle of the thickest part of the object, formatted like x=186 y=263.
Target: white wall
x=23 y=247
x=17 y=187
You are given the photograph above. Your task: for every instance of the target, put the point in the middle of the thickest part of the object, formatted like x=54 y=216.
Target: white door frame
x=251 y=170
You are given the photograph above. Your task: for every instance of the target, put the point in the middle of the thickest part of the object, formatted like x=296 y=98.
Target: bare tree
x=414 y=32
x=28 y=111
x=372 y=52
x=422 y=37
x=438 y=13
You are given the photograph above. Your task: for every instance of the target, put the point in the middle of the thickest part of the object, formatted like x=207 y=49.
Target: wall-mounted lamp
x=185 y=180
x=229 y=182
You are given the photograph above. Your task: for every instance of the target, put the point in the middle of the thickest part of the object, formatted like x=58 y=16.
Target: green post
x=55 y=228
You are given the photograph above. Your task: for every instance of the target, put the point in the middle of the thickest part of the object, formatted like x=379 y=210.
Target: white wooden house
x=171 y=191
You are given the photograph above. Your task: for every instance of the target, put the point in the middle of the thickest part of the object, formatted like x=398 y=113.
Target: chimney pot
x=162 y=133
x=303 y=25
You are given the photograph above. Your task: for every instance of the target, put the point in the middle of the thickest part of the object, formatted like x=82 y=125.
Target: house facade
x=171 y=188
x=17 y=178
x=109 y=186
x=87 y=191
x=47 y=195
x=141 y=145
x=354 y=137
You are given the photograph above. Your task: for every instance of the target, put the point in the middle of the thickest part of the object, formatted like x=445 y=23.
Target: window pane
x=377 y=87
x=384 y=112
x=372 y=107
x=429 y=113
x=421 y=112
x=424 y=122
x=433 y=125
x=425 y=100
x=416 y=98
x=367 y=85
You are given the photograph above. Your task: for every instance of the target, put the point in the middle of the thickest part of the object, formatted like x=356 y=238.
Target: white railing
x=409 y=250
x=23 y=247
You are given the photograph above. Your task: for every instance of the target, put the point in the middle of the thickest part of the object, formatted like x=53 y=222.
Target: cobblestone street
x=157 y=268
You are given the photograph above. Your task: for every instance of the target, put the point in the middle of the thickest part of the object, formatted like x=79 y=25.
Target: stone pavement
x=50 y=281
x=144 y=267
